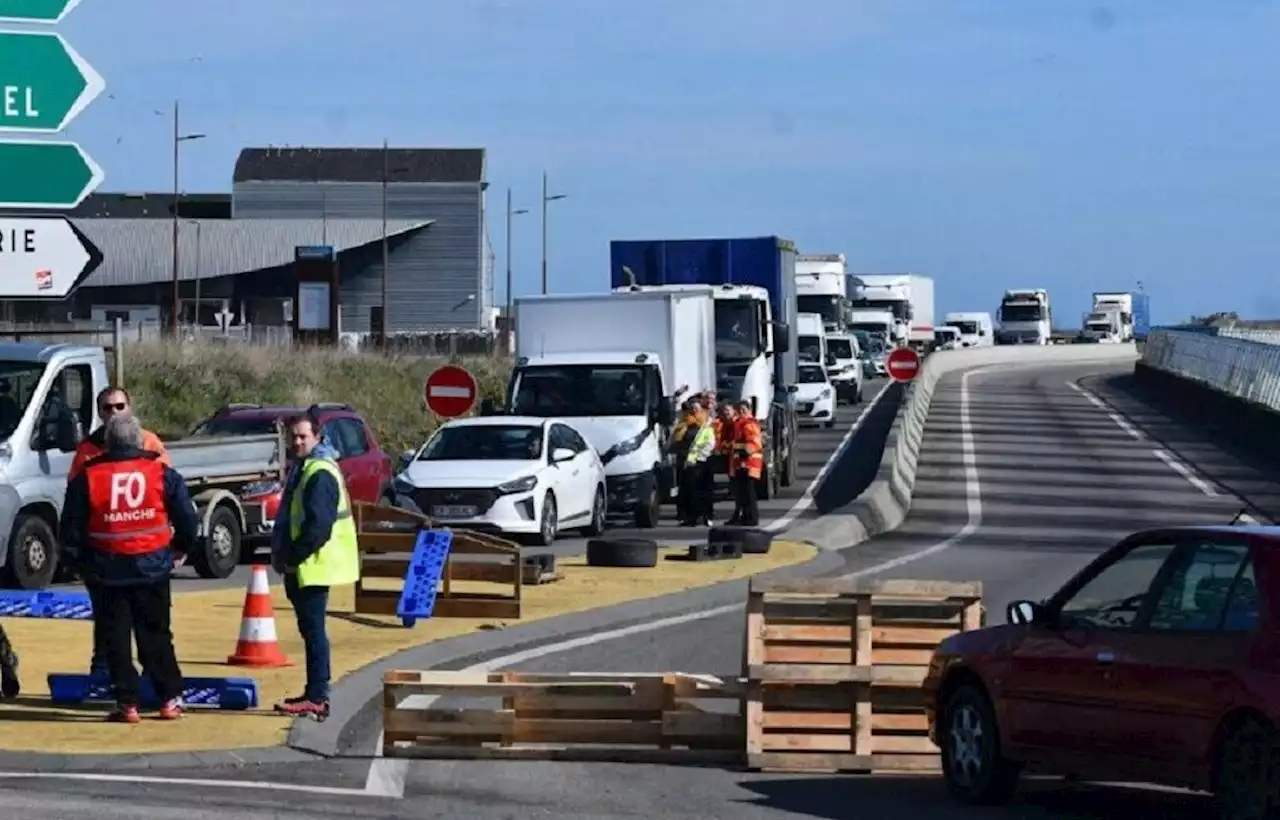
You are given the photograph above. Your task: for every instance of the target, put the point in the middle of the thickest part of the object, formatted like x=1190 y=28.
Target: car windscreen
x=484 y=442
x=812 y=375
x=840 y=348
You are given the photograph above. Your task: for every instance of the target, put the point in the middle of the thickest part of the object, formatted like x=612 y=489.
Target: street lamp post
x=506 y=329
x=178 y=139
x=199 y=258
x=387 y=171
x=546 y=198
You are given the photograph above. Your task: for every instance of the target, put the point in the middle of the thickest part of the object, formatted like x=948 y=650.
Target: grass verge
x=206 y=623
x=176 y=386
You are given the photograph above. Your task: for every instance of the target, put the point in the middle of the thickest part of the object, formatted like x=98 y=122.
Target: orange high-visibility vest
x=127 y=514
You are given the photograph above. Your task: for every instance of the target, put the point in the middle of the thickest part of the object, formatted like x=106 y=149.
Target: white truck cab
x=975 y=329
x=1025 y=317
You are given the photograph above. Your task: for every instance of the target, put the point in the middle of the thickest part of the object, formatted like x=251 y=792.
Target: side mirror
x=562 y=454
x=488 y=408
x=62 y=432
x=793 y=388
x=666 y=411
x=781 y=337
x=1023 y=612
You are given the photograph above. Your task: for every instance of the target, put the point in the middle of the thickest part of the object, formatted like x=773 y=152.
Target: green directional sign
x=36 y=175
x=44 y=83
x=35 y=11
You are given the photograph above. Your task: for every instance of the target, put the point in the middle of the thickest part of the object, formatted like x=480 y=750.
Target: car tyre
x=33 y=554
x=649 y=511
x=754 y=540
x=549 y=521
x=830 y=424
x=598 y=511
x=218 y=554
x=636 y=553
x=1247 y=772
x=973 y=764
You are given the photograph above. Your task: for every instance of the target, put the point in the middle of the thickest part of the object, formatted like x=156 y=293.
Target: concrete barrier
x=884 y=505
x=1241 y=368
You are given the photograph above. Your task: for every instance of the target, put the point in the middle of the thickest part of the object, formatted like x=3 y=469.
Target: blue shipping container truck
x=1141 y=316
x=767 y=262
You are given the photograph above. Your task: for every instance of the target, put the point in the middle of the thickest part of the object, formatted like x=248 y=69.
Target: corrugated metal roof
x=360 y=164
x=140 y=251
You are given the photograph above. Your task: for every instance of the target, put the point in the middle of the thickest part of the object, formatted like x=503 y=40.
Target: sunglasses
x=117 y=406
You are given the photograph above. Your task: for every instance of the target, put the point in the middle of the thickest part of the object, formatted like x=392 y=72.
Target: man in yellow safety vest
x=317 y=551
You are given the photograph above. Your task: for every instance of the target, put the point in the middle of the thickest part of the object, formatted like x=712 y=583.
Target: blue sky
x=986 y=143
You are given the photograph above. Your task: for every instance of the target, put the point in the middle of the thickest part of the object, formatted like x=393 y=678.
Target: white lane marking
x=1185 y=471
x=258 y=785
x=806 y=501
x=1120 y=421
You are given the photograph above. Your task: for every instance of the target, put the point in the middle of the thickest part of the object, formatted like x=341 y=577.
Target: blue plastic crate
x=213 y=693
x=46 y=603
x=422 y=581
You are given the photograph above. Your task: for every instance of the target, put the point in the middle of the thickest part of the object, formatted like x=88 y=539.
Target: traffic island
x=206 y=624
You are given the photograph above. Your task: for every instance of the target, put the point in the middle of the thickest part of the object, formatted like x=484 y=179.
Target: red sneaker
x=124 y=714
x=317 y=710
x=171 y=710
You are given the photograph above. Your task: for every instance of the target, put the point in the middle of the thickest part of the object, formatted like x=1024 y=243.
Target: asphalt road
x=1020 y=483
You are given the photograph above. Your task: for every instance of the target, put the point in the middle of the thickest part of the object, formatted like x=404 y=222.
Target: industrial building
x=235 y=250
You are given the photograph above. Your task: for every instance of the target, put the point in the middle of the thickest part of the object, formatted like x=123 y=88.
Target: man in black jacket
x=127 y=521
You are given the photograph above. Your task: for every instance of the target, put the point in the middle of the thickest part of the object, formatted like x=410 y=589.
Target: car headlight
x=624 y=448
x=825 y=394
x=520 y=485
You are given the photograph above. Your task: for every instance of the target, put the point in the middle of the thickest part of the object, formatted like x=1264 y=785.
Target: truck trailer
x=822 y=288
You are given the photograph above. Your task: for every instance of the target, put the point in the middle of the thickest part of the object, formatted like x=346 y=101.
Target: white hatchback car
x=515 y=475
x=815 y=396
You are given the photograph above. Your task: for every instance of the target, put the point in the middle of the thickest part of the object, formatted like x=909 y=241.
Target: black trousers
x=143 y=612
x=707 y=490
x=98 y=666
x=691 y=489
x=746 y=506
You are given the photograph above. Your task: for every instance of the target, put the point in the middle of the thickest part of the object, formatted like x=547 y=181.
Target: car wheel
x=33 y=554
x=1246 y=776
x=972 y=762
x=550 y=521
x=219 y=553
x=598 y=506
x=649 y=511
x=830 y=424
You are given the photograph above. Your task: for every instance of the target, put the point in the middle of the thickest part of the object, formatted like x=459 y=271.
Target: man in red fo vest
x=127 y=521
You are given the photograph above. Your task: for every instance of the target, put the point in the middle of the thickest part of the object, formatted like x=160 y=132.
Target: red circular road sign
x=450 y=391
x=902 y=364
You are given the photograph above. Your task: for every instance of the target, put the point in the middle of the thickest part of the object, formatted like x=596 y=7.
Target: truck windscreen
x=1022 y=313
x=825 y=306
x=965 y=328
x=897 y=307
x=581 y=390
x=738 y=330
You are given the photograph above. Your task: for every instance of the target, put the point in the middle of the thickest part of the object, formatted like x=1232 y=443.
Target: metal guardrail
x=1240 y=367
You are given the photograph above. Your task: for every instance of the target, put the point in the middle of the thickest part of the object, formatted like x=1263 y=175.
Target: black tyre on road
x=622 y=552
x=754 y=540
x=973 y=763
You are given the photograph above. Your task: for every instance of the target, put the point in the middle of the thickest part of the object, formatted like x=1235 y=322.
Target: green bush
x=177 y=386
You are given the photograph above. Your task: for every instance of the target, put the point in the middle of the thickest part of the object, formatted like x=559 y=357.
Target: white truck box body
x=921 y=294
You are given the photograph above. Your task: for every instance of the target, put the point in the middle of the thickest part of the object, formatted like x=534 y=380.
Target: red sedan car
x=1158 y=663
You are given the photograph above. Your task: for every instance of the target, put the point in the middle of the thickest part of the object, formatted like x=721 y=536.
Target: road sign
x=43 y=257
x=37 y=174
x=902 y=364
x=35 y=11
x=451 y=391
x=44 y=83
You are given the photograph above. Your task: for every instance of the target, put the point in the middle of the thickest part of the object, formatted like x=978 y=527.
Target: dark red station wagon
x=1158 y=663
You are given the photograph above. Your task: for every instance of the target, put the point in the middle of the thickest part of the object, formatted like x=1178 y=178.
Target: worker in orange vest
x=723 y=426
x=747 y=466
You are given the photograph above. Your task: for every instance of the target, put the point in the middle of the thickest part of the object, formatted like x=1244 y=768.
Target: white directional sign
x=43 y=257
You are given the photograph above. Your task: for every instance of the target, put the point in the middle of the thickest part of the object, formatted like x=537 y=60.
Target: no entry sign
x=902 y=364
x=450 y=391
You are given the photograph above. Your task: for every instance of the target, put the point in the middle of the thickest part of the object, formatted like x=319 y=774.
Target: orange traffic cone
x=258 y=645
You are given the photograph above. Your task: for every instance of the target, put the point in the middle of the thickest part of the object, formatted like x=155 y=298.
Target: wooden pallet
x=575 y=716
x=833 y=671
x=386 y=537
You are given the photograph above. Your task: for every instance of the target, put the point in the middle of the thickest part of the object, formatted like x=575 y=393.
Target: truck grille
x=481 y=499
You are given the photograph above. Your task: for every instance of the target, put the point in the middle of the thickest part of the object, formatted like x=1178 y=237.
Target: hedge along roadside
x=884 y=505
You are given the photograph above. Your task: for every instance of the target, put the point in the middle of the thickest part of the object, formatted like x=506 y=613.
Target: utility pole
x=386 y=246
x=506 y=329
x=178 y=139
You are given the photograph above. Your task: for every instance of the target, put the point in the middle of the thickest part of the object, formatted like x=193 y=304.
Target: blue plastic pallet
x=215 y=693
x=421 y=582
x=73 y=606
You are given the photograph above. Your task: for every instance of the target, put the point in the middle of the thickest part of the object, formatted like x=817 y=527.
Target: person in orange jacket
x=747 y=466
x=112 y=401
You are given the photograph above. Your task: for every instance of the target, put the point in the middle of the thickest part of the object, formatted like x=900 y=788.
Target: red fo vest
x=127 y=513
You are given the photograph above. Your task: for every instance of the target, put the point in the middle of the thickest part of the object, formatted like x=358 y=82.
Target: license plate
x=454 y=511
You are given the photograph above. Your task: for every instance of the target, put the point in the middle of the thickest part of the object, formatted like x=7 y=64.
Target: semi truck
x=975 y=329
x=617 y=364
x=754 y=287
x=881 y=294
x=52 y=388
x=822 y=288
x=920 y=293
x=878 y=323
x=1025 y=317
